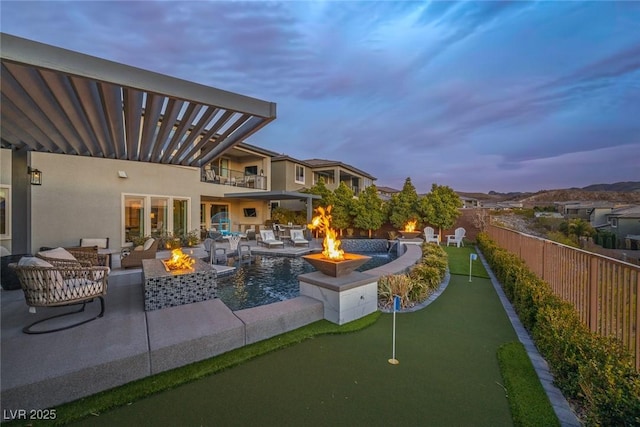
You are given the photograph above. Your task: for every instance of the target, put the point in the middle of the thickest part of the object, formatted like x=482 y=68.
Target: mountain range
x=619 y=192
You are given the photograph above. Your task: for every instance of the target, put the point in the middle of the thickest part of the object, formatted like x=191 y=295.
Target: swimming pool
x=271 y=279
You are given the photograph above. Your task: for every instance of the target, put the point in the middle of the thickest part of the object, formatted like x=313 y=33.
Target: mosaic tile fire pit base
x=164 y=288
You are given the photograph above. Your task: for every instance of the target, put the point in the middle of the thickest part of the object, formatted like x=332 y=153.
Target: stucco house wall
x=83 y=196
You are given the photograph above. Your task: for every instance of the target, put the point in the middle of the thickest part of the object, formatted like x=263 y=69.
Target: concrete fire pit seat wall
x=164 y=288
x=355 y=295
x=345 y=298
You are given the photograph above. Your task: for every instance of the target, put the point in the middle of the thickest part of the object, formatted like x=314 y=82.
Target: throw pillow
x=58 y=253
x=148 y=244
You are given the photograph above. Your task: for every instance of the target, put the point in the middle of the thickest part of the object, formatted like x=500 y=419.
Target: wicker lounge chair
x=47 y=285
x=134 y=257
x=87 y=256
x=102 y=243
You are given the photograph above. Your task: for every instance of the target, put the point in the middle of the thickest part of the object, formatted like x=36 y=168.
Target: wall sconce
x=35 y=176
x=122 y=174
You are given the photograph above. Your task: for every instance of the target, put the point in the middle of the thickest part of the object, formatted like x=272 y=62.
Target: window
x=328 y=177
x=250 y=212
x=251 y=170
x=299 y=174
x=5 y=212
x=133 y=218
x=614 y=222
x=274 y=204
x=145 y=215
x=159 y=215
x=180 y=217
x=224 y=168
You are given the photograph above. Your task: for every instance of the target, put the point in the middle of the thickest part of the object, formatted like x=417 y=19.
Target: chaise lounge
x=268 y=239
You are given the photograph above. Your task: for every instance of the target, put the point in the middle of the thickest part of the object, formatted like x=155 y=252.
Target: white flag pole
x=472 y=257
x=396 y=306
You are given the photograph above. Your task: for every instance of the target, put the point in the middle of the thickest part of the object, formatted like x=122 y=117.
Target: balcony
x=233 y=178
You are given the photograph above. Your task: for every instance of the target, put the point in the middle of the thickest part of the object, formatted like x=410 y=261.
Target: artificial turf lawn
x=459 y=262
x=448 y=375
x=529 y=404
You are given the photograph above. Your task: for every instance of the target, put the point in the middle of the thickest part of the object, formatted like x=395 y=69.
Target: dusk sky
x=478 y=96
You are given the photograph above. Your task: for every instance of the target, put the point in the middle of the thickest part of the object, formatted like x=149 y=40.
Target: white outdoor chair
x=430 y=236
x=457 y=238
x=268 y=239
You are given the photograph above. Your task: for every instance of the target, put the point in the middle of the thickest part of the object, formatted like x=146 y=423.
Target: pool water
x=271 y=279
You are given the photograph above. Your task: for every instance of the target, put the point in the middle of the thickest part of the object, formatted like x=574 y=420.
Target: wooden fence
x=604 y=291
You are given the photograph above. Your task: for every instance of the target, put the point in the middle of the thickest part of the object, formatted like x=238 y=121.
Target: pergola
x=59 y=101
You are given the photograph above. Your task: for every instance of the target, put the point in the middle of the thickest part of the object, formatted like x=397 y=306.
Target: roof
x=59 y=101
x=626 y=212
x=257 y=149
x=321 y=163
x=599 y=204
x=318 y=163
x=387 y=190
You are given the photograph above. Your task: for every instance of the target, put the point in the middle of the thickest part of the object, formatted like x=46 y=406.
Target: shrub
x=422 y=280
x=427 y=276
x=395 y=284
x=594 y=371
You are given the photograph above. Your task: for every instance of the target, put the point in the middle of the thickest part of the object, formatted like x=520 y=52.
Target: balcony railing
x=234 y=178
x=604 y=291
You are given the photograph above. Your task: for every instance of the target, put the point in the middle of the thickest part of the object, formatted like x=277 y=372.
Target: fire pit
x=179 y=262
x=409 y=231
x=332 y=261
x=336 y=268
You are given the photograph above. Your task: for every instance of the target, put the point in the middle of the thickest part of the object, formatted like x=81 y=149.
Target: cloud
x=481 y=95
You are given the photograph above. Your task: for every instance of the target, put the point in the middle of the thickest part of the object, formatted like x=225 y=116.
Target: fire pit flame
x=411 y=225
x=179 y=261
x=330 y=244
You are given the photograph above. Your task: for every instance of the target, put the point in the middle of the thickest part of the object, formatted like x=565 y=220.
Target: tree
x=440 y=207
x=403 y=206
x=481 y=219
x=368 y=210
x=343 y=207
x=327 y=196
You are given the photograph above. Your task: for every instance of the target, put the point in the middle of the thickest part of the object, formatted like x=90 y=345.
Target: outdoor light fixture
x=122 y=174
x=35 y=176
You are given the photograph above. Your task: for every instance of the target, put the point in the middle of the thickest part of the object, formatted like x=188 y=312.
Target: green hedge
x=595 y=372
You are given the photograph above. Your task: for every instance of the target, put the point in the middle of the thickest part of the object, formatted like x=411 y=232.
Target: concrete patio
x=41 y=371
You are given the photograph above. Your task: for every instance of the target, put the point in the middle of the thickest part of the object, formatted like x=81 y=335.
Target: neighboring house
x=623 y=222
x=584 y=209
x=120 y=152
x=290 y=174
x=469 y=202
x=385 y=193
x=502 y=205
x=598 y=215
